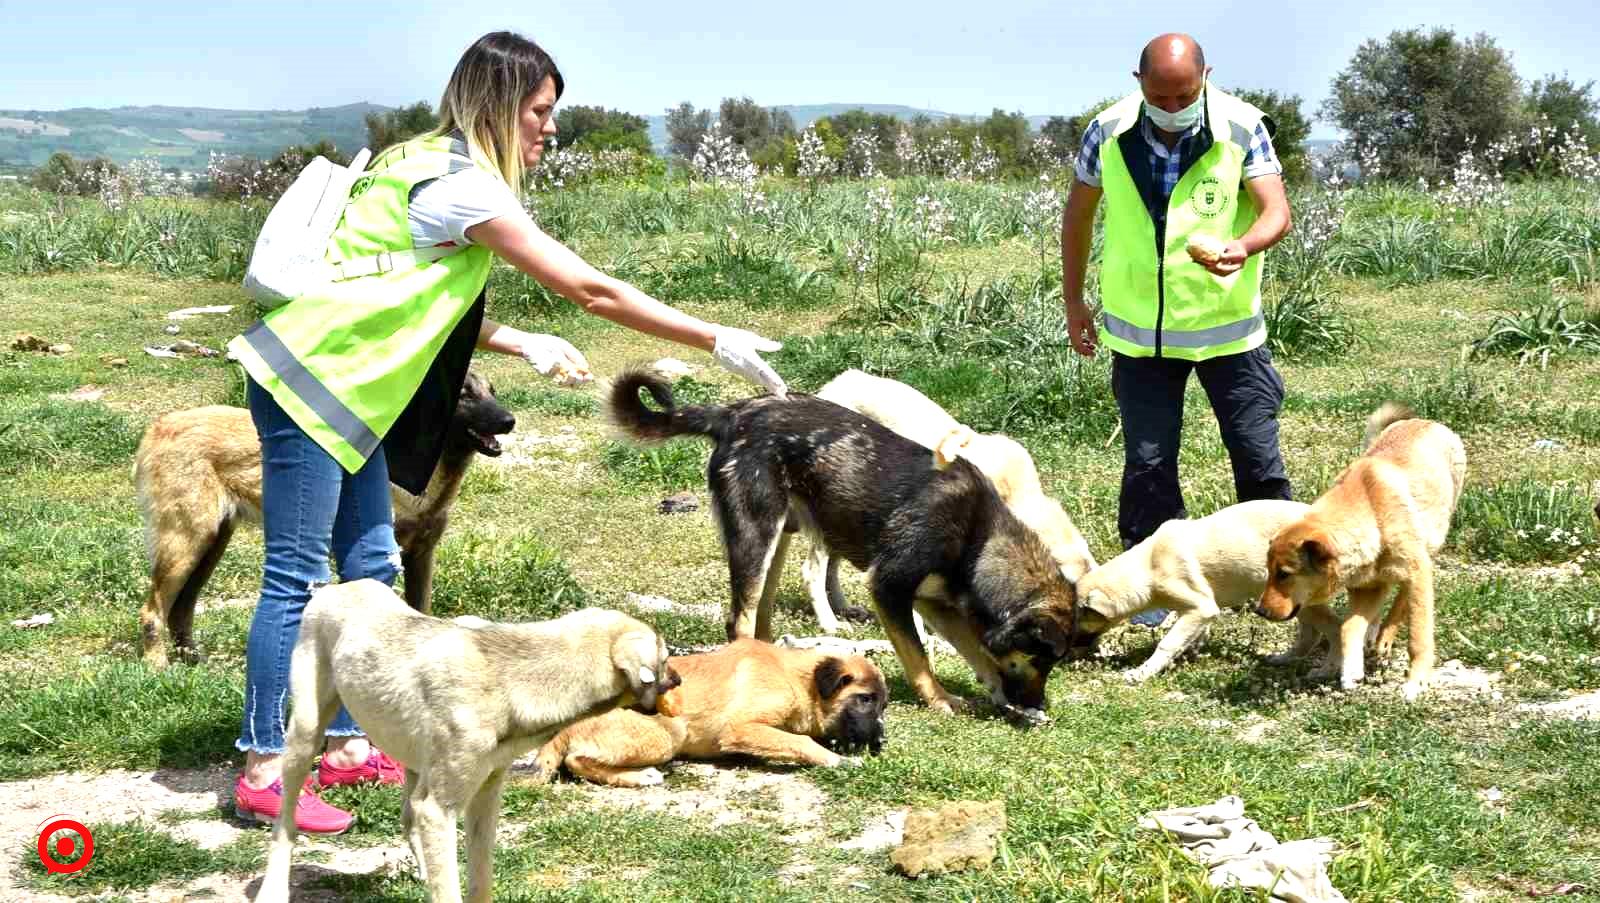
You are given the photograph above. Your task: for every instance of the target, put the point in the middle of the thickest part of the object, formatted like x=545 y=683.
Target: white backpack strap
x=389 y=261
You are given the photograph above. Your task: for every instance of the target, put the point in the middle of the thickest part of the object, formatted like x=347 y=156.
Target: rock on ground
x=956 y=836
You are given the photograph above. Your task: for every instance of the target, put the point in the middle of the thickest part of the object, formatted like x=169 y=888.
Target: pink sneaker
x=378 y=767
x=311 y=814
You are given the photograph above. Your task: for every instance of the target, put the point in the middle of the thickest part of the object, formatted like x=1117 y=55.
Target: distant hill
x=805 y=114
x=184 y=137
x=181 y=137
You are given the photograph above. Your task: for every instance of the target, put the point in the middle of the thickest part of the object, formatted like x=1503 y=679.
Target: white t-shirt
x=443 y=209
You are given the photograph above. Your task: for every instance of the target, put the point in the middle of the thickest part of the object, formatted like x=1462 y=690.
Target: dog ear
x=1028 y=632
x=1315 y=555
x=831 y=677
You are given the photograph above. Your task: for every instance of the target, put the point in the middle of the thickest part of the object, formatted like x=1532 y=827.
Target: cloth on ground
x=1240 y=852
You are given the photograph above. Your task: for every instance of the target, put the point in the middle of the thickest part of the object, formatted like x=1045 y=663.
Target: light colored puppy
x=1195 y=568
x=1002 y=459
x=1377 y=528
x=456 y=704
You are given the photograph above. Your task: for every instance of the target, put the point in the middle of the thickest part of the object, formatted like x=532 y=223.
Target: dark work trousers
x=1245 y=392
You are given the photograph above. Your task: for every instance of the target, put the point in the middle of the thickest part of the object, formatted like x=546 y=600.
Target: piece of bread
x=1206 y=249
x=568 y=376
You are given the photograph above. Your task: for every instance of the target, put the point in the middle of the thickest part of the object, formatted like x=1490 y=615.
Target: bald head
x=1172 y=54
x=1172 y=72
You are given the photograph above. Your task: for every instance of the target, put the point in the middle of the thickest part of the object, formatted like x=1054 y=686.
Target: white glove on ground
x=738 y=351
x=555 y=357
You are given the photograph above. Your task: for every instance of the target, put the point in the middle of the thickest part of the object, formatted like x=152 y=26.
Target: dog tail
x=640 y=422
x=1387 y=413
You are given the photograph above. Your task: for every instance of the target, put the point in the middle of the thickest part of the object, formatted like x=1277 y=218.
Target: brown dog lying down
x=1377 y=528
x=747 y=698
x=198 y=473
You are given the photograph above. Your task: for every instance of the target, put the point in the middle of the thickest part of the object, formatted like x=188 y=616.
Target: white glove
x=737 y=350
x=555 y=357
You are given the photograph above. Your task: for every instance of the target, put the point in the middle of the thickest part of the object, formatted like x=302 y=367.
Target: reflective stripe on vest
x=311 y=390
x=1159 y=301
x=1198 y=338
x=344 y=360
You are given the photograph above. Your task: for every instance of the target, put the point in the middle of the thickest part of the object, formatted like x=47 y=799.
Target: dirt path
x=724 y=796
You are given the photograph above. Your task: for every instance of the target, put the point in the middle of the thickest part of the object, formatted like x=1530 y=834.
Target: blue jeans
x=310 y=509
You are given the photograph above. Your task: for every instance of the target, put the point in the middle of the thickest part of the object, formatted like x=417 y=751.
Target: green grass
x=972 y=324
x=130 y=856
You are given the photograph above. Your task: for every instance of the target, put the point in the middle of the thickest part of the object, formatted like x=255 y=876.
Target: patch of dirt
x=529 y=448
x=123 y=796
x=1582 y=707
x=724 y=796
x=881 y=834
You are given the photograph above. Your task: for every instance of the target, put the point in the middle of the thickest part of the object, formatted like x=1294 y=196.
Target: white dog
x=1195 y=568
x=1000 y=458
x=455 y=703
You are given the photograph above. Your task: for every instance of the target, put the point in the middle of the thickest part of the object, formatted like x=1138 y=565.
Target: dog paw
x=1137 y=675
x=1411 y=689
x=855 y=614
x=847 y=762
x=649 y=777
x=1032 y=717
x=948 y=705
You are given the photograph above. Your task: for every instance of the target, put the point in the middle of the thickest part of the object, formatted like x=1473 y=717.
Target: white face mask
x=1181 y=121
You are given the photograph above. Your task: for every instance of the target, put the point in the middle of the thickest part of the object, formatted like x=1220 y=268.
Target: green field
x=1380 y=293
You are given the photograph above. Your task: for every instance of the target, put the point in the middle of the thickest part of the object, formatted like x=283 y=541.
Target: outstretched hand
x=556 y=358
x=739 y=350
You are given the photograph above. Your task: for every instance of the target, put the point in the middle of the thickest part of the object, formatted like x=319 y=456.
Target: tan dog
x=1378 y=527
x=1193 y=567
x=198 y=473
x=747 y=698
x=1000 y=458
x=456 y=704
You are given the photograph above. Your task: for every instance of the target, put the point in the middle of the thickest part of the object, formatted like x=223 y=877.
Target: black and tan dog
x=938 y=542
x=198 y=473
x=747 y=698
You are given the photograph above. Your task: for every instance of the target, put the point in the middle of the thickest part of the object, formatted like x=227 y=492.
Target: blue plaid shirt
x=1259 y=158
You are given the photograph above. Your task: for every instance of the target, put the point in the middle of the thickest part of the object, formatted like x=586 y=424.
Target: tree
x=399 y=124
x=1293 y=128
x=1006 y=134
x=600 y=128
x=1064 y=135
x=686 y=128
x=1562 y=104
x=1421 y=99
x=64 y=174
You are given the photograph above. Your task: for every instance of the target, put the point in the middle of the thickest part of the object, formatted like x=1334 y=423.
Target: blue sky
x=1032 y=55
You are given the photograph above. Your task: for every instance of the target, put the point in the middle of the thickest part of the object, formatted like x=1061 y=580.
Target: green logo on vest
x=360 y=187
x=1208 y=199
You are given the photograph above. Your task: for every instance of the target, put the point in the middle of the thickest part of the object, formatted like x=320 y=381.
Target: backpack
x=289 y=258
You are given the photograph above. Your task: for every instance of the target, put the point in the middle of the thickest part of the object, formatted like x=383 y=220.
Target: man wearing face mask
x=1180 y=164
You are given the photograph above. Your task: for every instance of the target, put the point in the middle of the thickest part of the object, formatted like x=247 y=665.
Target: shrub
x=1550 y=326
x=1526 y=521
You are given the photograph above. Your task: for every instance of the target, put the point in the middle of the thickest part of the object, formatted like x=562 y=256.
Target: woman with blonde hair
x=350 y=384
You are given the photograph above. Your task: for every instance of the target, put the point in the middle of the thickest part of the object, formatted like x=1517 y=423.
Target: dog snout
x=669 y=679
x=503 y=421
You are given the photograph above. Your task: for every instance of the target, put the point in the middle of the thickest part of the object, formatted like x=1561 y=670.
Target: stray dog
x=1002 y=459
x=1378 y=527
x=938 y=542
x=198 y=473
x=1193 y=567
x=456 y=704
x=747 y=698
